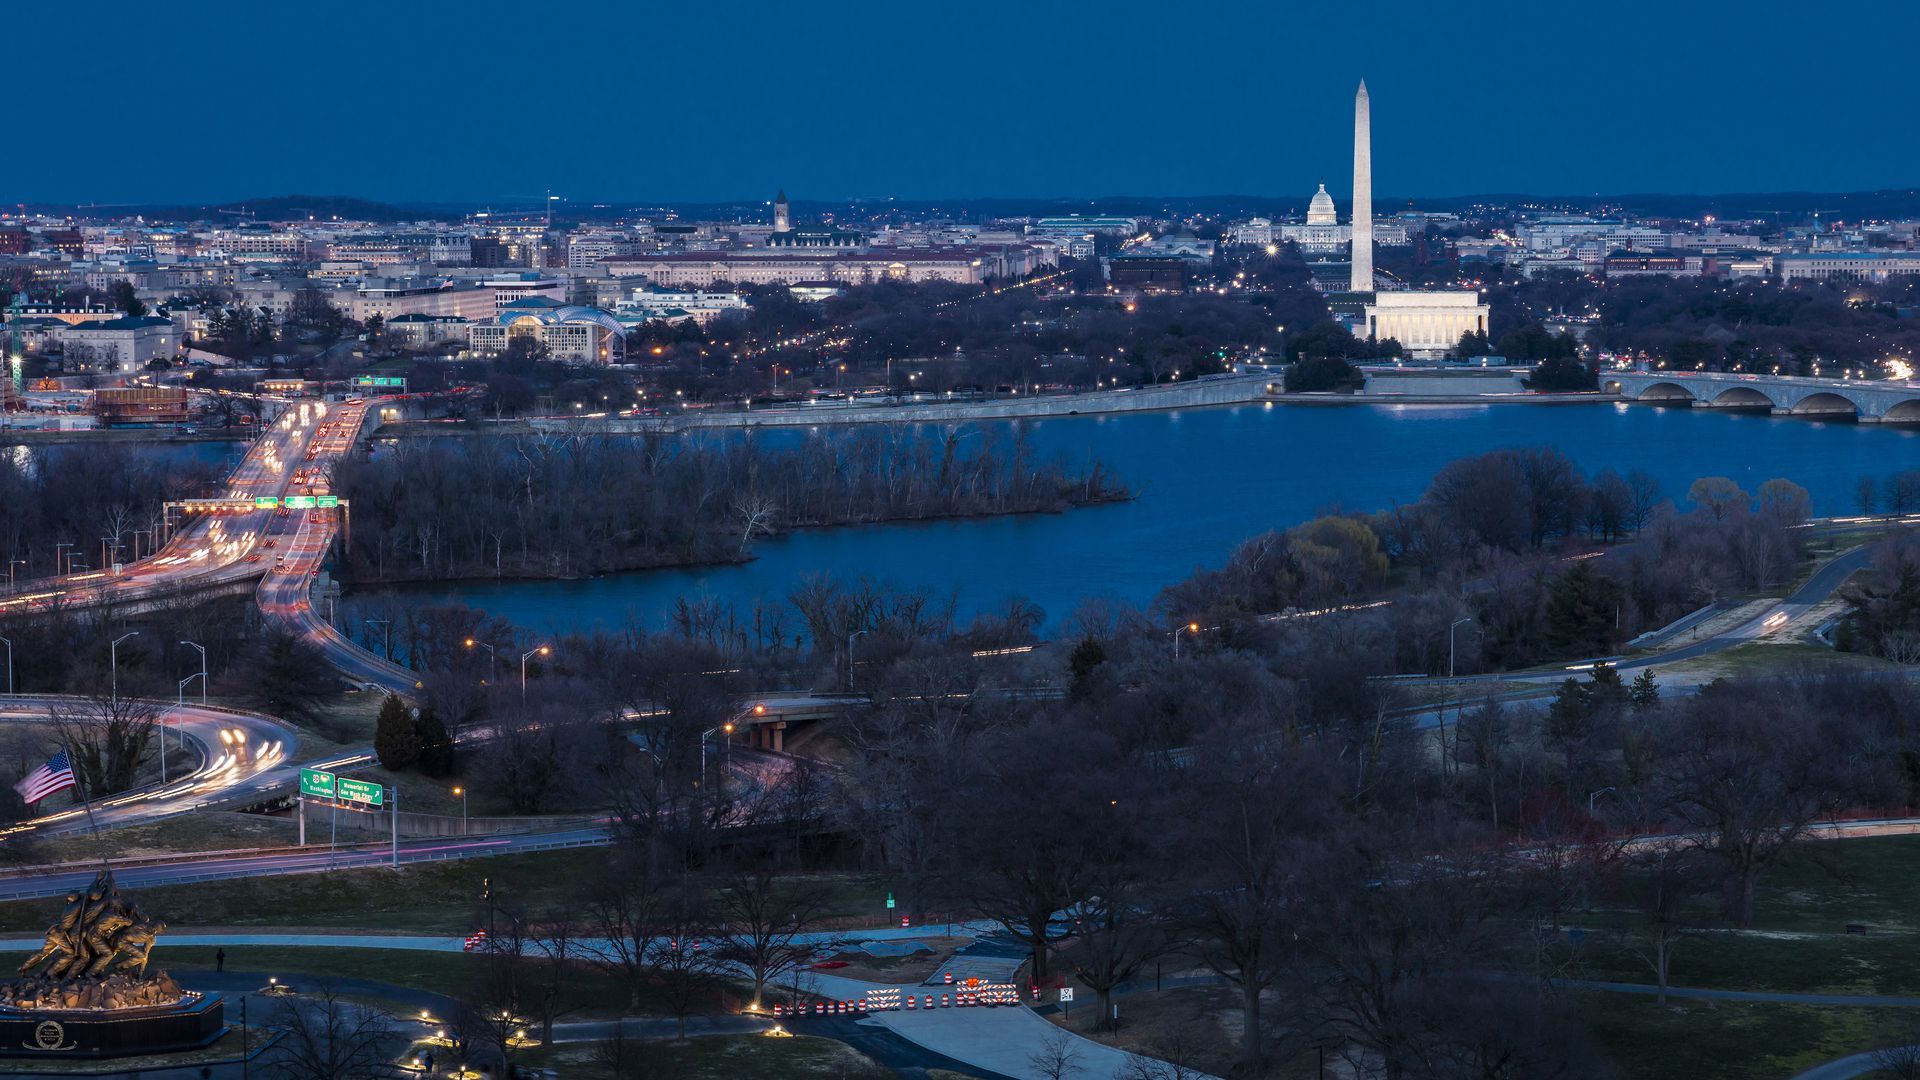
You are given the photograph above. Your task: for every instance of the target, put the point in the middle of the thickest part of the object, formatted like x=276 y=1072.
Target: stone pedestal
x=197 y=1022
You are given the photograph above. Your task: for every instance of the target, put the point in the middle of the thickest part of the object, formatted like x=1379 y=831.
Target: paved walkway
x=993 y=1042
x=1844 y=1069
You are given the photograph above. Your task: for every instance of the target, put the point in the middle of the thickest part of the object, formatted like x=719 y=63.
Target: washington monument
x=1362 y=281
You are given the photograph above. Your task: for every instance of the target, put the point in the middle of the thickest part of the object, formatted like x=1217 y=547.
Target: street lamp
x=1592 y=795
x=491 y=659
x=1456 y=624
x=113 y=662
x=1190 y=628
x=726 y=727
x=9 y=645
x=386 y=634
x=59 y=557
x=541 y=651
x=203 y=668
x=11 y=563
x=462 y=792
x=850 y=638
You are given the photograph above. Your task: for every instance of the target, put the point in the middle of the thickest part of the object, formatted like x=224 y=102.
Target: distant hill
x=1789 y=206
x=271 y=208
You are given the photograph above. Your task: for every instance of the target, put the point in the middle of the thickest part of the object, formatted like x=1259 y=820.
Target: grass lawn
x=1703 y=1040
x=434 y=898
x=1798 y=943
x=585 y=992
x=204 y=831
x=715 y=1057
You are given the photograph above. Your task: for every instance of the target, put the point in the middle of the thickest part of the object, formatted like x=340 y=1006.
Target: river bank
x=1199 y=393
x=520 y=575
x=1205 y=479
x=18 y=436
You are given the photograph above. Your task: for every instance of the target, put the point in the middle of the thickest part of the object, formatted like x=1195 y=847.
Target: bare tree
x=762 y=911
x=108 y=735
x=1057 y=1059
x=323 y=1037
x=1667 y=889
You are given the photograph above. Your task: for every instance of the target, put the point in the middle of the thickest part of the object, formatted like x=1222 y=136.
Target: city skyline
x=1065 y=103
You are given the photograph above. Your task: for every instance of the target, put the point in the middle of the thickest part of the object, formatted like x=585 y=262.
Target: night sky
x=478 y=100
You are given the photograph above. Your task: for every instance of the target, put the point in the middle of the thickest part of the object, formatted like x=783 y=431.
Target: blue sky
x=479 y=100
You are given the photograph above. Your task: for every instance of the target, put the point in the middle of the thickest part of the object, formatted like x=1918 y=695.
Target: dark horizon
x=1832 y=205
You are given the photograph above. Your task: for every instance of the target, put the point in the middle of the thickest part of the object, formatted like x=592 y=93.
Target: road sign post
x=393 y=813
x=317 y=783
x=359 y=791
x=300 y=807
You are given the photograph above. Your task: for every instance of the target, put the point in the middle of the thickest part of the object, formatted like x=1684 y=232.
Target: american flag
x=55 y=775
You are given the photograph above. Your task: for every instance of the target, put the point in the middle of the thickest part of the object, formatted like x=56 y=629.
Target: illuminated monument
x=1362 y=192
x=1428 y=323
x=87 y=993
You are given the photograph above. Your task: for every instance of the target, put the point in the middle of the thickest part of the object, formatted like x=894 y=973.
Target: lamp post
x=9 y=645
x=462 y=792
x=1592 y=795
x=11 y=563
x=1457 y=623
x=726 y=727
x=202 y=649
x=1190 y=628
x=113 y=662
x=850 y=638
x=492 y=660
x=540 y=651
x=386 y=635
x=60 y=558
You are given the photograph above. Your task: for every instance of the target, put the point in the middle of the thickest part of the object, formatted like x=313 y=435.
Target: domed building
x=572 y=334
x=1322 y=234
x=1320 y=209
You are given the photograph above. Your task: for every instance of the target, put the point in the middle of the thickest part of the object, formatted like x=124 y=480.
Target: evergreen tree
x=1606 y=690
x=1583 y=607
x=396 y=737
x=1645 y=693
x=1086 y=656
x=290 y=678
x=436 y=745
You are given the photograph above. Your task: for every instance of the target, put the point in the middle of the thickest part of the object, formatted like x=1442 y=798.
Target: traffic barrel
x=909 y=1002
x=949 y=978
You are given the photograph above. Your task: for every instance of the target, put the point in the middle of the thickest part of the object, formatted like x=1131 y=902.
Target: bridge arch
x=1664 y=391
x=1824 y=403
x=1905 y=412
x=1742 y=397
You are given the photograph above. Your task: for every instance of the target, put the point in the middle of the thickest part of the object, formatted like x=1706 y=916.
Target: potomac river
x=1205 y=479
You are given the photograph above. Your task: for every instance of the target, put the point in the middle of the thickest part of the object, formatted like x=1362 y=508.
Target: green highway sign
x=265 y=502
x=379 y=380
x=328 y=502
x=361 y=792
x=300 y=502
x=889 y=901
x=316 y=783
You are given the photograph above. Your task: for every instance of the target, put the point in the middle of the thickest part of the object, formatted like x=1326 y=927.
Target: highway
x=212 y=549
x=228 y=768
x=270 y=862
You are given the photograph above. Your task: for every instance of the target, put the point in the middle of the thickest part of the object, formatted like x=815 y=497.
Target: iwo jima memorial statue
x=87 y=993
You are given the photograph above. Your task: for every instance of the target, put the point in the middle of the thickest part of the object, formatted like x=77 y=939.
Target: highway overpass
x=1868 y=401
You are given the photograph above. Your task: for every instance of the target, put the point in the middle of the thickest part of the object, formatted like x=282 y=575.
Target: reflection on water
x=1209 y=478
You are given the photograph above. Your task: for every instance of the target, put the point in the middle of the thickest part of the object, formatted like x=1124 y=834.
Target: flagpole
x=80 y=785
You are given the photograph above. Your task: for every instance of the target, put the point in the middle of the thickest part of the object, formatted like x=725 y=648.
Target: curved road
x=257 y=765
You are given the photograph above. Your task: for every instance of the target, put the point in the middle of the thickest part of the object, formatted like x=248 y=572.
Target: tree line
x=539 y=506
